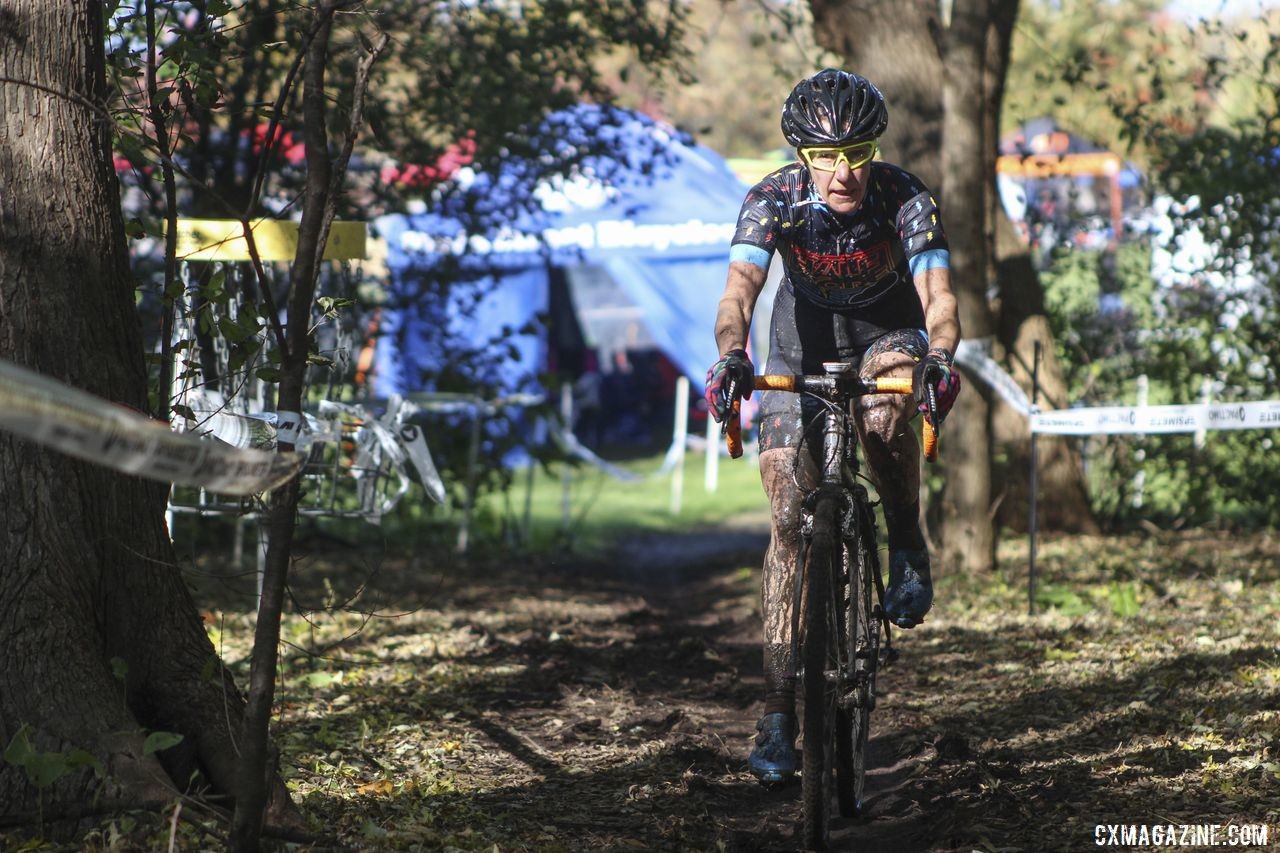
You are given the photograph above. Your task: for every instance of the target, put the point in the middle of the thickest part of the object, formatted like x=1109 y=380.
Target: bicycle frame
x=838 y=617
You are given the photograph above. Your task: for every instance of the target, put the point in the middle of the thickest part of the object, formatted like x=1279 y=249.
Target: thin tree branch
x=161 y=134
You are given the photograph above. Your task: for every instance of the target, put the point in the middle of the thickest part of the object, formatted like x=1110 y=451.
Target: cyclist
x=866 y=281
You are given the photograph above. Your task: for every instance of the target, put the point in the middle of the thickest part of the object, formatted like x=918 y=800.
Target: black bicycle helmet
x=833 y=108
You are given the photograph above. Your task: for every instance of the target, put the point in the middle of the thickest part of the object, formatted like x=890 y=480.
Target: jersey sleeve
x=760 y=224
x=919 y=224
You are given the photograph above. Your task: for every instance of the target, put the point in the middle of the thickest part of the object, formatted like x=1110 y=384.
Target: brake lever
x=730 y=395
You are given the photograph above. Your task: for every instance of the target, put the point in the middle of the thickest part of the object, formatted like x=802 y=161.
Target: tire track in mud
x=698 y=586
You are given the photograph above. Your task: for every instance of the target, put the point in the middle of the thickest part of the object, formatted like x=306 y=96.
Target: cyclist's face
x=843 y=189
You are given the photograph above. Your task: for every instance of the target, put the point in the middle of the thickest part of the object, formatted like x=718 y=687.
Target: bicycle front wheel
x=820 y=656
x=853 y=723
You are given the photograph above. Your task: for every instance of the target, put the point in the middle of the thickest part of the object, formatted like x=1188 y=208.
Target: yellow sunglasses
x=828 y=159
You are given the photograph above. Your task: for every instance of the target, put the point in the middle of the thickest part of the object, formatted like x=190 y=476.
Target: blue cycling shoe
x=774 y=758
x=910 y=592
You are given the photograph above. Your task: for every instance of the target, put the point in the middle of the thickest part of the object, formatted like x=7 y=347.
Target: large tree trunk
x=968 y=534
x=102 y=641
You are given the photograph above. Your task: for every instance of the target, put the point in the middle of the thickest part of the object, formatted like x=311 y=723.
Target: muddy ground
x=576 y=703
x=579 y=703
x=610 y=704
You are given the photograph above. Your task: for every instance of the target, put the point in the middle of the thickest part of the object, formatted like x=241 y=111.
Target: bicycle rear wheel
x=853 y=725
x=822 y=639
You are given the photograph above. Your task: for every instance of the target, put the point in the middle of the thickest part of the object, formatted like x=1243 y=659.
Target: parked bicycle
x=840 y=633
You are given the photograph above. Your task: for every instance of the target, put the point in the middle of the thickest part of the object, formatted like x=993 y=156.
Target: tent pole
x=527 y=522
x=473 y=462
x=566 y=471
x=711 y=470
x=680 y=439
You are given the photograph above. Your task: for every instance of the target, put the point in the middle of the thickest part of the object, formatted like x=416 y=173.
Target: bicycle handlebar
x=799 y=384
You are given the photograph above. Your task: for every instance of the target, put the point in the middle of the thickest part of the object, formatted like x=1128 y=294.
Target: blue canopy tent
x=651 y=219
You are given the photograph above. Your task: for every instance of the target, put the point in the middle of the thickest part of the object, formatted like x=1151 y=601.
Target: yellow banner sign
x=275 y=240
x=1046 y=165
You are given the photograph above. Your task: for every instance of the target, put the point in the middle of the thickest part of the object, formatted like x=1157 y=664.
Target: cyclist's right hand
x=731 y=377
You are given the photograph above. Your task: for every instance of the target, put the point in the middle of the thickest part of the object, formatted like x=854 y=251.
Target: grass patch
x=578 y=508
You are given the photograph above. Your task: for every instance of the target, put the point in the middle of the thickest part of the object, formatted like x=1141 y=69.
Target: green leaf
x=157 y=741
x=119 y=668
x=249 y=323
x=45 y=768
x=19 y=749
x=215 y=289
x=268 y=374
x=81 y=758
x=41 y=768
x=1124 y=599
x=322 y=679
x=209 y=672
x=330 y=305
x=231 y=330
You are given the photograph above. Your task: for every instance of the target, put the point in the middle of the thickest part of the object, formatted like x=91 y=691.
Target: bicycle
x=839 y=633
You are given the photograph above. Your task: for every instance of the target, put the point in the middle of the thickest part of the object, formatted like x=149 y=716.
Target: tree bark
x=102 y=640
x=968 y=536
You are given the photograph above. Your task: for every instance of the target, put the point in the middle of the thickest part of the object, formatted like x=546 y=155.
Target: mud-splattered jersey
x=843 y=261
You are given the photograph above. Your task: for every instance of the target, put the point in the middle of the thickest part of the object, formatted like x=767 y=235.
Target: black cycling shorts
x=803 y=336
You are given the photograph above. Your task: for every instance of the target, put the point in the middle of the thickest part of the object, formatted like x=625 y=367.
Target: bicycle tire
x=821 y=639
x=853 y=727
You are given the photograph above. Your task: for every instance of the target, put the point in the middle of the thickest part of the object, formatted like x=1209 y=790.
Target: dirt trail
x=580 y=704
x=634 y=731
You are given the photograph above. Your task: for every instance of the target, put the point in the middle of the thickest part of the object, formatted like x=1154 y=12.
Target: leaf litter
x=570 y=703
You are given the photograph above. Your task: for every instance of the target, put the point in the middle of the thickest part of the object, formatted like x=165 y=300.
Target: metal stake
x=1034 y=488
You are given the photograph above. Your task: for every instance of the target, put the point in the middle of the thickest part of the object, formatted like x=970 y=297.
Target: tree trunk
x=102 y=640
x=892 y=43
x=968 y=536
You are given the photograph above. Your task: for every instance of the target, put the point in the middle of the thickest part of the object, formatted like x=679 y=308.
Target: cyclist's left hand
x=735 y=368
x=936 y=369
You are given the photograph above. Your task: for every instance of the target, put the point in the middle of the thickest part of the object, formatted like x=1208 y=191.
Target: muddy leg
x=892 y=451
x=779 y=475
x=893 y=459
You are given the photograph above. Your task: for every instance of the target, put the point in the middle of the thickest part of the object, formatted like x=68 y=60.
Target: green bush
x=1186 y=339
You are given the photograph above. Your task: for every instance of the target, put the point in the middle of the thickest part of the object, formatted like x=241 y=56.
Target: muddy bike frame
x=839 y=631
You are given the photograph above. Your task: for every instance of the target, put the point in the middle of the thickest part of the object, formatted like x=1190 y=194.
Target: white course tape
x=288 y=427
x=1108 y=420
x=975 y=355
x=79 y=424
x=569 y=443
